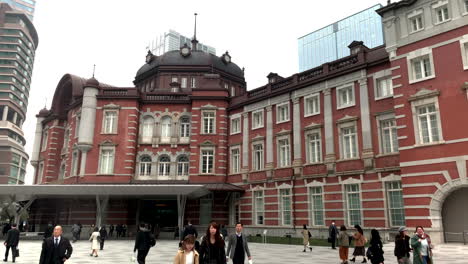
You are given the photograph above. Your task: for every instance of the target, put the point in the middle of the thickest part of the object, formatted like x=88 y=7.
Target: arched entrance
x=455 y=215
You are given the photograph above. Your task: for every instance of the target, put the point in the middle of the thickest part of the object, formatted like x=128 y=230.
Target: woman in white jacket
x=94 y=238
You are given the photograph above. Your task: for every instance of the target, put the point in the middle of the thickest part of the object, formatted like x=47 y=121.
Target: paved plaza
x=164 y=251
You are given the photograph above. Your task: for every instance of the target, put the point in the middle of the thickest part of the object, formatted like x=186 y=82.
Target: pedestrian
x=375 y=251
x=6 y=228
x=56 y=249
x=343 y=240
x=187 y=254
x=75 y=232
x=94 y=238
x=359 y=245
x=402 y=248
x=81 y=228
x=118 y=229
x=103 y=236
x=49 y=231
x=143 y=242
x=238 y=246
x=422 y=247
x=11 y=242
x=190 y=230
x=224 y=232
x=212 y=246
x=124 y=230
x=306 y=235
x=111 y=230
x=332 y=234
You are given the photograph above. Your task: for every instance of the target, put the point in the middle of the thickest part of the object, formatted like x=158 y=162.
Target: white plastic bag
x=250 y=261
x=133 y=258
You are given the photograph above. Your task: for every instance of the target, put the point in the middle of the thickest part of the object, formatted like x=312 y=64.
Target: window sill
x=103 y=133
x=346 y=106
x=315 y=163
x=280 y=122
x=442 y=22
x=383 y=97
x=105 y=174
x=350 y=159
x=416 y=31
x=311 y=114
x=422 y=79
x=387 y=154
x=235 y=133
x=256 y=171
x=442 y=142
x=207 y=174
x=207 y=134
x=254 y=128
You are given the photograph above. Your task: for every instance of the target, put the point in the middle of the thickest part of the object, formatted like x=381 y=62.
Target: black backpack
x=152 y=240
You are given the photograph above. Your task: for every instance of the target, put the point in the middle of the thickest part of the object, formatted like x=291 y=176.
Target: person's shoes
x=96 y=256
x=91 y=254
x=303 y=250
x=364 y=261
x=4 y=260
x=310 y=249
x=353 y=259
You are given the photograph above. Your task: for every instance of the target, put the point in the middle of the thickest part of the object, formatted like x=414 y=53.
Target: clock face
x=227 y=58
x=185 y=51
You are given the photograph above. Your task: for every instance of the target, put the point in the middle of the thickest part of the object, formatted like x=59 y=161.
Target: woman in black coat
x=375 y=252
x=212 y=246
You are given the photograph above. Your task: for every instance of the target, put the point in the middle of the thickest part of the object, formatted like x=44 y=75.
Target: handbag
x=330 y=240
x=17 y=253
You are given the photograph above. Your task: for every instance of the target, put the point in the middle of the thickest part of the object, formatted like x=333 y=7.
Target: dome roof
x=92 y=82
x=43 y=112
x=196 y=58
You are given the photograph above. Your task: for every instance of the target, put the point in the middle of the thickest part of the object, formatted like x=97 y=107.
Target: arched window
x=147 y=129
x=164 y=166
x=182 y=166
x=166 y=123
x=62 y=172
x=145 y=166
x=185 y=127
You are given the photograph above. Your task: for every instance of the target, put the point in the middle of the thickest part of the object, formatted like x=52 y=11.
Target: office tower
x=26 y=6
x=173 y=40
x=331 y=42
x=18 y=42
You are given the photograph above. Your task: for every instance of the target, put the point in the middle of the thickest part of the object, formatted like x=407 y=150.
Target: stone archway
x=442 y=195
x=455 y=215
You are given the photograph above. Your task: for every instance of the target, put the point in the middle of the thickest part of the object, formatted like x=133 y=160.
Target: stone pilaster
x=245 y=146
x=269 y=142
x=297 y=139
x=367 y=151
x=330 y=157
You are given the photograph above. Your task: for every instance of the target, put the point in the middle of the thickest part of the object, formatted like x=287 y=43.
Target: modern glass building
x=18 y=43
x=27 y=6
x=173 y=40
x=331 y=42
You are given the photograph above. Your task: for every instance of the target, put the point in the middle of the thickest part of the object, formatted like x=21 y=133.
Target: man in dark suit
x=238 y=247
x=56 y=249
x=11 y=241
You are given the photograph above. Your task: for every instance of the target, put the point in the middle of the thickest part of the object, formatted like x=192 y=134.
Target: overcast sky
x=113 y=34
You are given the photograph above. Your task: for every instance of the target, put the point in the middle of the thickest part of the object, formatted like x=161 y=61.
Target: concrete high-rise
x=331 y=42
x=173 y=40
x=18 y=42
x=26 y=6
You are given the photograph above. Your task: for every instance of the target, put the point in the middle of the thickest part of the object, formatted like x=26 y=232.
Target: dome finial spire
x=194 y=40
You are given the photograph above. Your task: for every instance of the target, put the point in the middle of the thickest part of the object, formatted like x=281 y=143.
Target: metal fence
x=456 y=236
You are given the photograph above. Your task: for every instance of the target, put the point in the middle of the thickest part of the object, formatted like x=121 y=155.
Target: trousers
x=13 y=251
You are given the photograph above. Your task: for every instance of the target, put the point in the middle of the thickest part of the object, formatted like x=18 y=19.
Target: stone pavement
x=121 y=251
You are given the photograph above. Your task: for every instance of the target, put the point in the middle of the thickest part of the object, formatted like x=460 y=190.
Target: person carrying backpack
x=306 y=235
x=143 y=242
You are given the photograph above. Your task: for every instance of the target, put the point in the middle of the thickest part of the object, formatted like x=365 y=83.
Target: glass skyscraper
x=331 y=42
x=173 y=40
x=27 y=6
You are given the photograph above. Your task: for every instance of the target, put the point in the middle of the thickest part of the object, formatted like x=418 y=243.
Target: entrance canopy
x=26 y=192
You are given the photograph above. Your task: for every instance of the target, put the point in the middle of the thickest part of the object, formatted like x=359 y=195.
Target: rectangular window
x=421 y=67
x=106 y=164
x=285 y=199
x=284 y=152
x=193 y=82
x=442 y=14
x=312 y=105
x=207 y=161
x=428 y=124
x=353 y=201
x=45 y=135
x=183 y=83
x=259 y=207
x=389 y=136
x=416 y=23
x=74 y=170
x=466 y=6
x=258 y=157
x=282 y=113
x=174 y=80
x=257 y=119
x=316 y=203
x=396 y=209
x=233 y=91
x=77 y=127
x=110 y=122
x=349 y=141
x=384 y=87
x=208 y=122
x=235 y=160
x=314 y=149
x=185 y=127
x=345 y=96
x=235 y=125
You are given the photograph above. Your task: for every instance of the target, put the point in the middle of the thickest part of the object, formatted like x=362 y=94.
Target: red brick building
x=370 y=139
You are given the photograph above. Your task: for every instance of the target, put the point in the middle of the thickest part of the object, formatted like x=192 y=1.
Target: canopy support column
x=22 y=209
x=181 y=202
x=101 y=207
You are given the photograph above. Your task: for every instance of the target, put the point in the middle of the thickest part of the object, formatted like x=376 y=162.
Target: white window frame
x=385 y=91
x=413 y=16
x=464 y=51
x=75 y=159
x=377 y=77
x=183 y=167
x=113 y=122
x=281 y=194
x=184 y=127
x=348 y=207
x=233 y=91
x=183 y=82
x=415 y=105
x=313 y=210
x=286 y=115
x=45 y=138
x=287 y=155
x=193 y=82
x=235 y=129
x=40 y=173
x=318 y=149
x=261 y=122
x=465 y=7
x=258 y=161
x=417 y=57
x=147 y=129
x=315 y=110
x=164 y=167
x=440 y=6
x=212 y=126
x=66 y=139
x=352 y=102
x=427 y=115
x=77 y=124
x=235 y=159
x=259 y=207
x=62 y=171
x=346 y=125
x=389 y=187
x=145 y=166
x=166 y=129
x=384 y=118
x=212 y=155
x=110 y=169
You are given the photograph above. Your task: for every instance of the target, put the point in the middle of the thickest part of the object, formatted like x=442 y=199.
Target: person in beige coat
x=187 y=254
x=94 y=238
x=305 y=238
